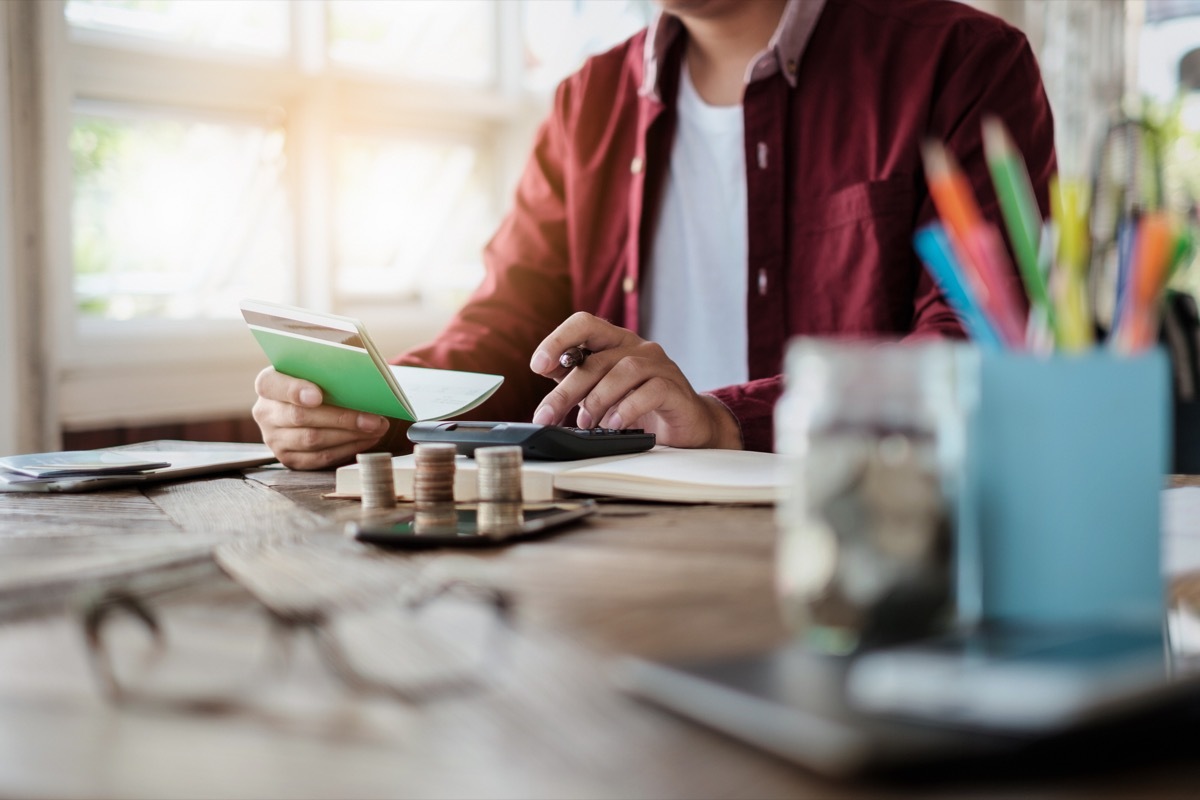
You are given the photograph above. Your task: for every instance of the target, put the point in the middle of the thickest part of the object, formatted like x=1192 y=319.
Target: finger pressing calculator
x=537 y=442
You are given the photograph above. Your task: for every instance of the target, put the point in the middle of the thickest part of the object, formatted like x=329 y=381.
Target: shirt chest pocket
x=852 y=267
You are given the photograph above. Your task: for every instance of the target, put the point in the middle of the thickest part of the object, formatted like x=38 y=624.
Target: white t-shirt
x=695 y=293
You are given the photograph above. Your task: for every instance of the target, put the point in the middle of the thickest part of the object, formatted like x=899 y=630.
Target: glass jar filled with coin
x=873 y=440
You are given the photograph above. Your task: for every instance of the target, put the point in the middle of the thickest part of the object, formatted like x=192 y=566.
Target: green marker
x=1020 y=210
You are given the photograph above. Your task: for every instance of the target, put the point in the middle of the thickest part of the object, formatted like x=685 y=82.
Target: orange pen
x=977 y=243
x=1149 y=275
x=950 y=190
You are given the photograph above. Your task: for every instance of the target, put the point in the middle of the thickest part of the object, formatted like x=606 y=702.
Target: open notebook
x=665 y=474
x=336 y=354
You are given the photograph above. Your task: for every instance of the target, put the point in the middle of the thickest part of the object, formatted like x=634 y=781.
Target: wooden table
x=660 y=581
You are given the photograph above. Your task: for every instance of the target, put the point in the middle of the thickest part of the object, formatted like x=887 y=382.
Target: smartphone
x=470 y=524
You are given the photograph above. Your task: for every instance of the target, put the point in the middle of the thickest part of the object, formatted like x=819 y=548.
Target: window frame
x=144 y=371
x=9 y=375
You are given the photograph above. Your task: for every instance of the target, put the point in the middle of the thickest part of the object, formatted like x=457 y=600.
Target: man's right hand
x=302 y=432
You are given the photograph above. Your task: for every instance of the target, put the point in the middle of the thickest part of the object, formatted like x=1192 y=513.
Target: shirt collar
x=781 y=55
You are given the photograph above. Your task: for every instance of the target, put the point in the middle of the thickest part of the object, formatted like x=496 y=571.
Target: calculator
x=537 y=442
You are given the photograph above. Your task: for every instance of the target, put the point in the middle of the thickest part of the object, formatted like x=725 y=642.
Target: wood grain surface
x=540 y=717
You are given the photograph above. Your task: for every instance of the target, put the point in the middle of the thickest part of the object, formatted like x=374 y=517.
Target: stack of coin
x=499 y=474
x=433 y=480
x=435 y=518
x=499 y=519
x=378 y=486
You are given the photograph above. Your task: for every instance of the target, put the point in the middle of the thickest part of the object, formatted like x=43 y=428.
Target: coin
x=499 y=473
x=434 y=518
x=378 y=484
x=500 y=519
x=433 y=479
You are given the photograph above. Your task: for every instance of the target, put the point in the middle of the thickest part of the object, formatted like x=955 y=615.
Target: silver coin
x=435 y=518
x=499 y=474
x=378 y=484
x=433 y=479
x=499 y=519
x=434 y=452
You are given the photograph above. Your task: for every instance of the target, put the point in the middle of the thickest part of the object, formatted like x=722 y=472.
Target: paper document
x=181 y=464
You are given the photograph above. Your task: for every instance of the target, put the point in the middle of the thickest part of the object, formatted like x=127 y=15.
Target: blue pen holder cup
x=1059 y=513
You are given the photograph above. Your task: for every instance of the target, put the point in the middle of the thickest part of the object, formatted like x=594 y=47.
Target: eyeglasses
x=223 y=654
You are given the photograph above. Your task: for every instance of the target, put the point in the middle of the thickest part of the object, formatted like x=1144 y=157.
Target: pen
x=1069 y=203
x=933 y=246
x=1184 y=249
x=1127 y=232
x=1020 y=210
x=950 y=190
x=1146 y=278
x=981 y=251
x=985 y=249
x=573 y=357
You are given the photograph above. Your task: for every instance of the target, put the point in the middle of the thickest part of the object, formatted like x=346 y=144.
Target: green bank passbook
x=336 y=354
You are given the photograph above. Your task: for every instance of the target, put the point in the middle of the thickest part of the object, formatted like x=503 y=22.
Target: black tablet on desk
x=977 y=696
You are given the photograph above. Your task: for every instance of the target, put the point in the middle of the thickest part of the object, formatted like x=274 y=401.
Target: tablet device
x=792 y=703
x=979 y=695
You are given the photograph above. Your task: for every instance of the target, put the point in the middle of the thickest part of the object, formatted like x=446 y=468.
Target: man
x=673 y=244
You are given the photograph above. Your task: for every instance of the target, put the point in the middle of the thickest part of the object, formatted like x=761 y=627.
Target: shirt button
x=762 y=283
x=635 y=166
x=762 y=155
x=791 y=66
x=627 y=284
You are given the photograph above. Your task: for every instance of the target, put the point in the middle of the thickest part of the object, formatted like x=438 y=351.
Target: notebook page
x=442 y=393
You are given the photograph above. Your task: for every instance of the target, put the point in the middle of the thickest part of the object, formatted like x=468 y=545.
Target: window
x=1169 y=77
x=143 y=245
x=555 y=34
x=345 y=155
x=1168 y=81
x=429 y=39
x=246 y=26
x=409 y=243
